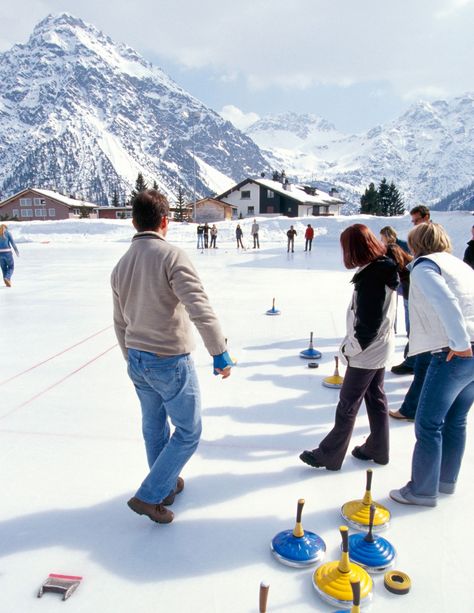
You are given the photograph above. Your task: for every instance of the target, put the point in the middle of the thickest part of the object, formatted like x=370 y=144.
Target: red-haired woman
x=365 y=349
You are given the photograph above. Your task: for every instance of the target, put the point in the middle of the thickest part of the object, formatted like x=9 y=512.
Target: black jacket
x=469 y=254
x=370 y=290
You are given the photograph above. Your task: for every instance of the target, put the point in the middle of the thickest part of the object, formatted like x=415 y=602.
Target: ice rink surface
x=71 y=452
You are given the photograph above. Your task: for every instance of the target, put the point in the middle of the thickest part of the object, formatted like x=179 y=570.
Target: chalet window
x=16 y=212
x=245 y=195
x=251 y=210
x=270 y=193
x=25 y=202
x=39 y=201
x=52 y=212
x=39 y=213
x=75 y=211
x=26 y=212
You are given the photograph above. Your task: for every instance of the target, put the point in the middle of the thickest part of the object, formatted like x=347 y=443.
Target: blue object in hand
x=222 y=361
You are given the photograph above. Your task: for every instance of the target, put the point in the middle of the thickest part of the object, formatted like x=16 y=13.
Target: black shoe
x=308 y=458
x=402 y=369
x=357 y=453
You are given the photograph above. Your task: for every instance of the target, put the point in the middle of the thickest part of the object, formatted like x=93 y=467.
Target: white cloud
x=237 y=117
x=277 y=44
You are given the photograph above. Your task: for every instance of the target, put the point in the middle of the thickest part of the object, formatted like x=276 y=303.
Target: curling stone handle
x=273 y=304
x=336 y=358
x=355 y=593
x=345 y=538
x=299 y=510
x=369 y=537
x=264 y=587
x=369 y=480
x=310 y=338
x=298 y=531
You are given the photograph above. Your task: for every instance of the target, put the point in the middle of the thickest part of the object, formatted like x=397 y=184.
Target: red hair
x=360 y=246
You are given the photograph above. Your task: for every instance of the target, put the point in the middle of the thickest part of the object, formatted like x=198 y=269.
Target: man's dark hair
x=149 y=207
x=422 y=210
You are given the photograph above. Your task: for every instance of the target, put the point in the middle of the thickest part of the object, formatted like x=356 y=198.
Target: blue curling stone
x=374 y=556
x=296 y=551
x=273 y=312
x=310 y=354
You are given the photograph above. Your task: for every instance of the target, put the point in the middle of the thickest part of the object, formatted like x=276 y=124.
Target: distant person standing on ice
x=213 y=236
x=156 y=295
x=291 y=239
x=6 y=256
x=469 y=253
x=366 y=348
x=254 y=231
x=308 y=235
x=206 y=236
x=200 y=236
x=238 y=236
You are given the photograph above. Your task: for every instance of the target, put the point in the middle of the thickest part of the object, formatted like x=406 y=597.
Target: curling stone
x=273 y=310
x=311 y=353
x=298 y=548
x=263 y=597
x=374 y=553
x=332 y=580
x=355 y=585
x=357 y=512
x=336 y=380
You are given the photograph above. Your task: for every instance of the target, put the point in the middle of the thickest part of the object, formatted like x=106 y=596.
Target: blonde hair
x=427 y=238
x=389 y=234
x=3 y=229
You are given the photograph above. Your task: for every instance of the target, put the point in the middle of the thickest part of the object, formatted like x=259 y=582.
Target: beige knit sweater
x=156 y=292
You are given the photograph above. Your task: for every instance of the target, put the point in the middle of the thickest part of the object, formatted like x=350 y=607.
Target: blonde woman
x=6 y=256
x=442 y=323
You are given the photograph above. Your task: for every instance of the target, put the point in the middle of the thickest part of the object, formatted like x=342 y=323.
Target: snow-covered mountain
x=428 y=151
x=83 y=115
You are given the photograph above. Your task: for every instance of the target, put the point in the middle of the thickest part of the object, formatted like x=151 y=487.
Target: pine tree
x=140 y=186
x=369 y=201
x=180 y=211
x=155 y=185
x=115 y=199
x=383 y=198
x=396 y=206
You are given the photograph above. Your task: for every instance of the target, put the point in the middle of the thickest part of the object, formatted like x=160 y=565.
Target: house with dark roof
x=280 y=197
x=42 y=204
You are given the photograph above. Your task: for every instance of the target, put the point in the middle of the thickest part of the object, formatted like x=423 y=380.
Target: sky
x=357 y=64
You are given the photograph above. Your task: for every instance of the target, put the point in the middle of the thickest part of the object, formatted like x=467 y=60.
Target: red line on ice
x=23 y=372
x=58 y=382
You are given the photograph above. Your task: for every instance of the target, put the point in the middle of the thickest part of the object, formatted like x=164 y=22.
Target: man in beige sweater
x=157 y=294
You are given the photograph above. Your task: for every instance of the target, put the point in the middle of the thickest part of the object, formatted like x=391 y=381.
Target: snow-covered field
x=71 y=452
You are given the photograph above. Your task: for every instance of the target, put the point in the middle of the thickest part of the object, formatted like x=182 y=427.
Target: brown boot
x=156 y=512
x=8 y=283
x=168 y=501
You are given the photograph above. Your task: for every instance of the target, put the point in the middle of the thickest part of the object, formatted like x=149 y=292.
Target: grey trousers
x=359 y=384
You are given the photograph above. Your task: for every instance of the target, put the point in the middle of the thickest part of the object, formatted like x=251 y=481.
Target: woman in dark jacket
x=365 y=349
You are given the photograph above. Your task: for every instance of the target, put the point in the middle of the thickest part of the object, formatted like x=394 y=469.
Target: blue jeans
x=200 y=243
x=167 y=388
x=420 y=366
x=440 y=424
x=7 y=264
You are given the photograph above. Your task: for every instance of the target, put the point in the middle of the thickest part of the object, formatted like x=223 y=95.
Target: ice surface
x=71 y=452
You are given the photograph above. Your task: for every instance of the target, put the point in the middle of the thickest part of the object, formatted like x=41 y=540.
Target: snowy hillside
x=427 y=151
x=84 y=115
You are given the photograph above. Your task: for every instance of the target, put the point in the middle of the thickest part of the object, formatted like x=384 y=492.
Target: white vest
x=427 y=332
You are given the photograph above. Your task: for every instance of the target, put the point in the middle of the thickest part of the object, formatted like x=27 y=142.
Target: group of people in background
x=438 y=290
x=203 y=232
